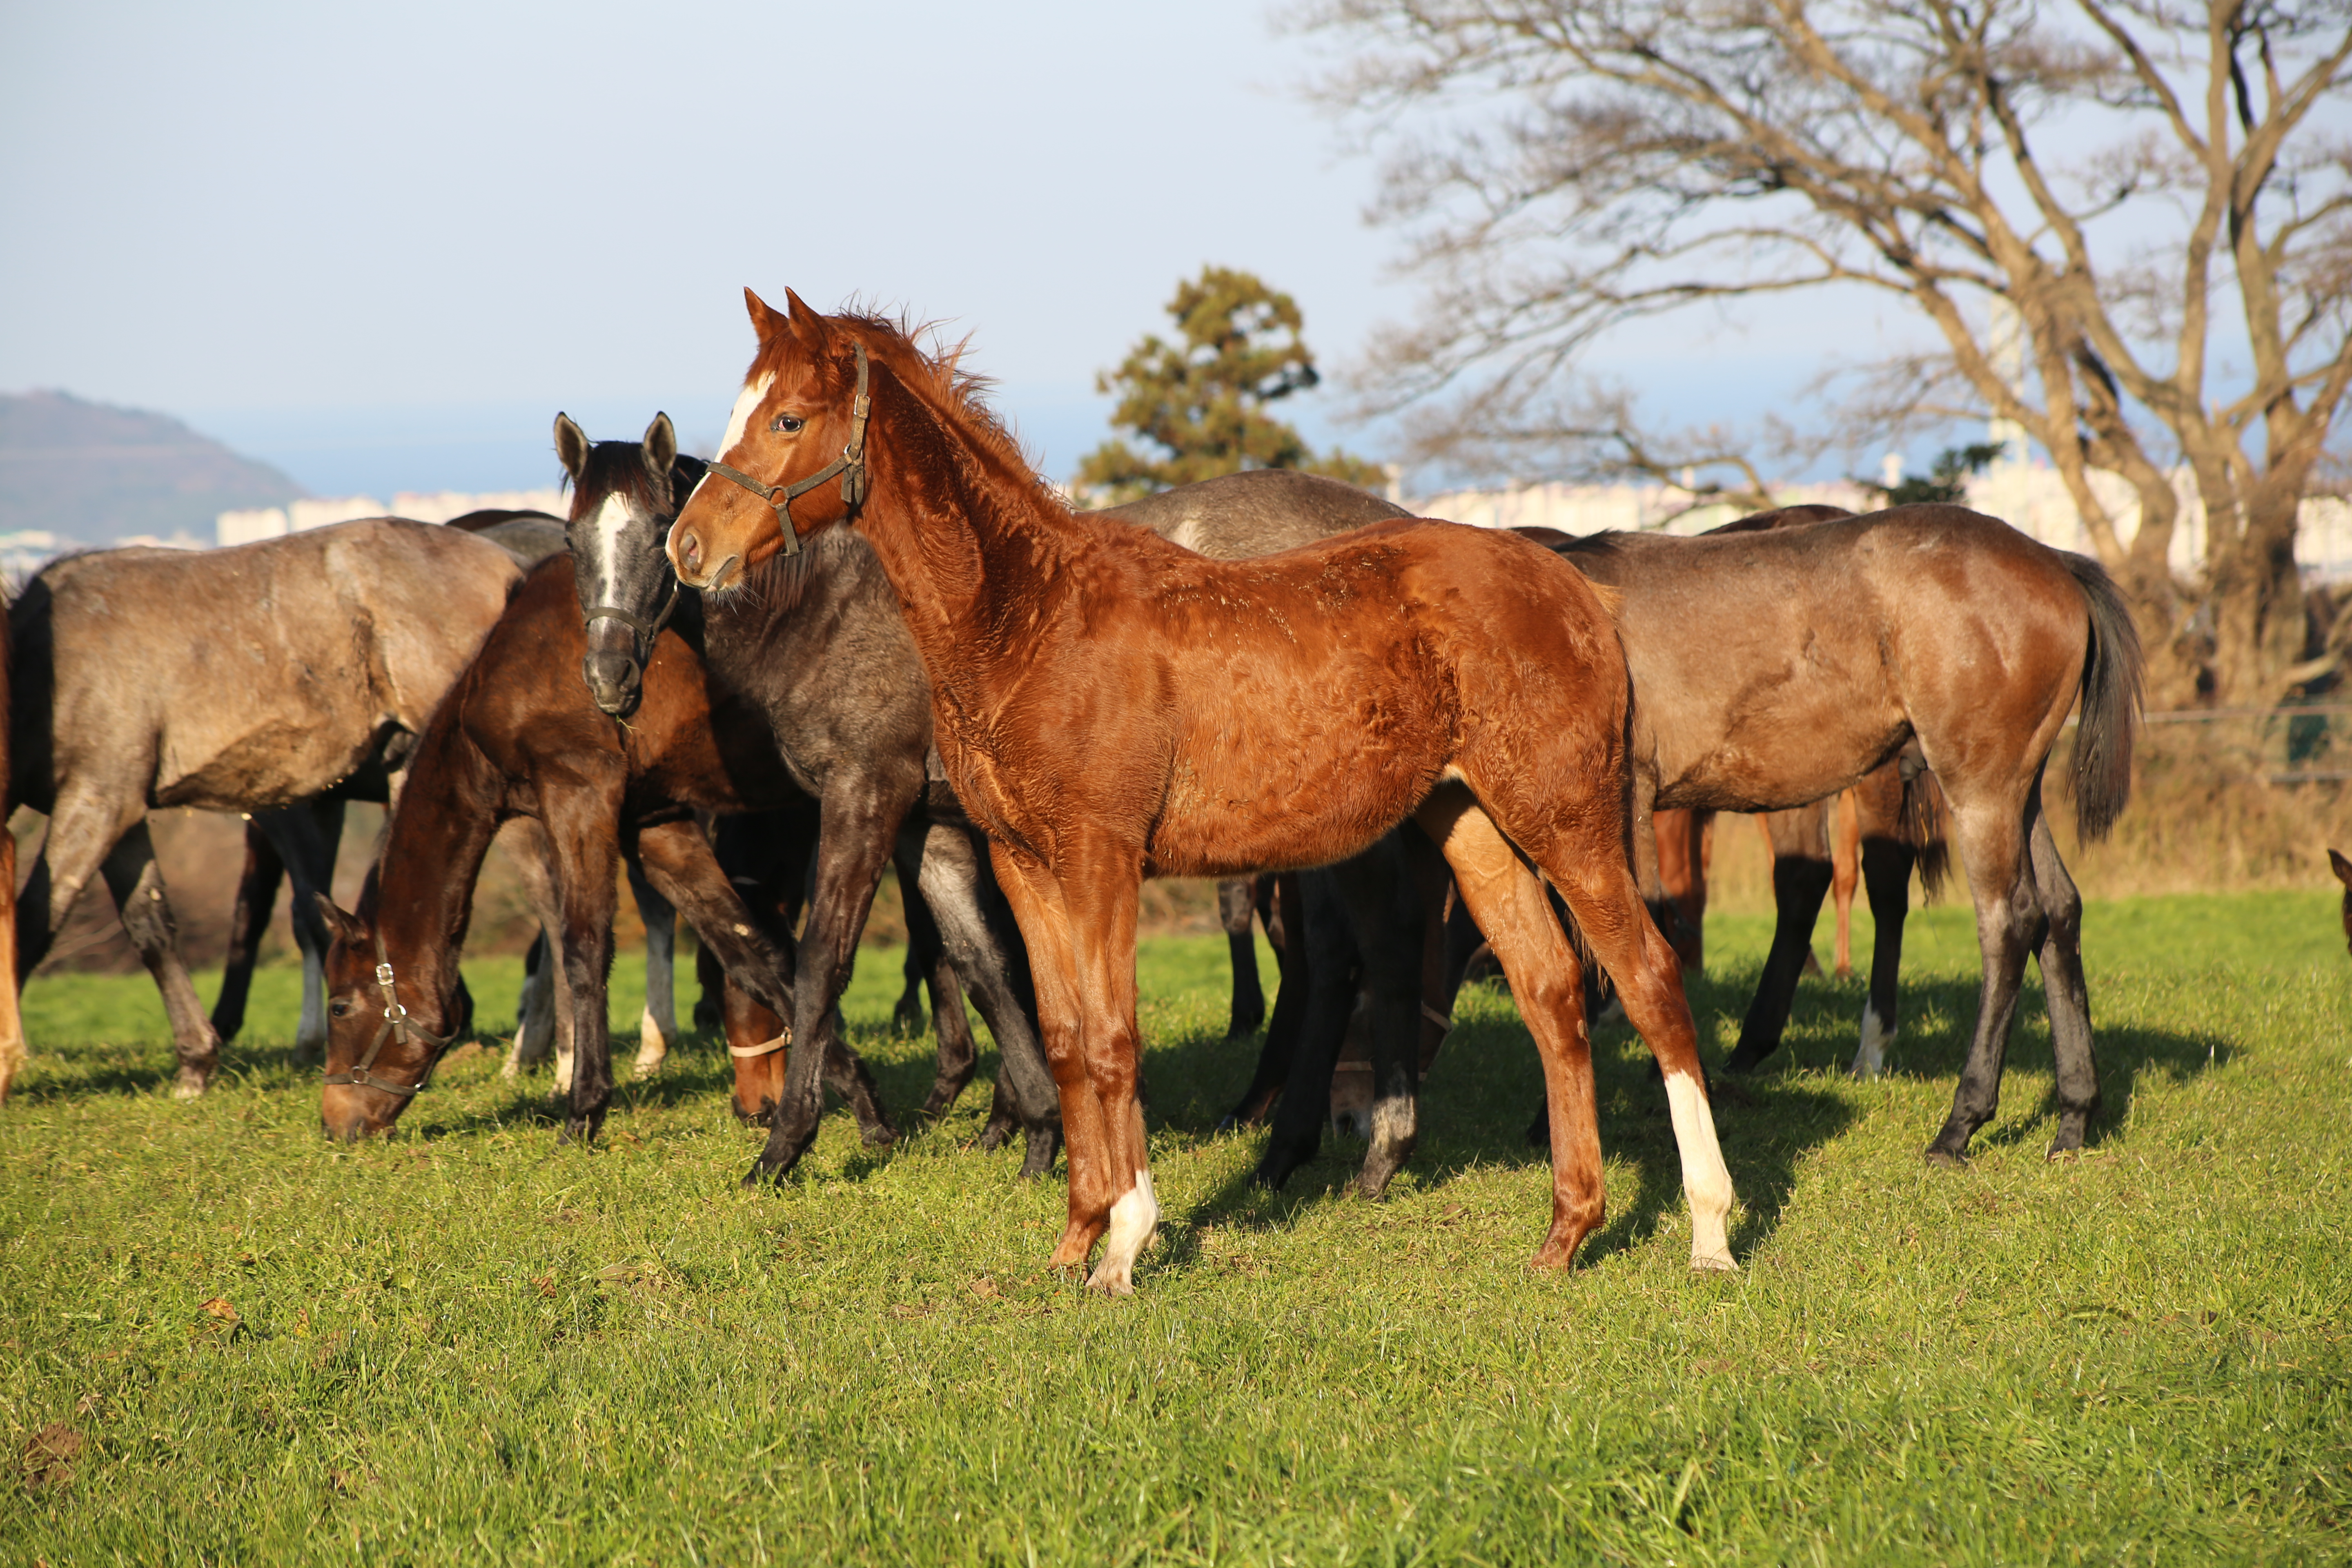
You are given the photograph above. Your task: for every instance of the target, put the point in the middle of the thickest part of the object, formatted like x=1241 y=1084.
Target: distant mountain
x=92 y=474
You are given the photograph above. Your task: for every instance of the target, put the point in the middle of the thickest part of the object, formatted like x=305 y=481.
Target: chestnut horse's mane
x=938 y=374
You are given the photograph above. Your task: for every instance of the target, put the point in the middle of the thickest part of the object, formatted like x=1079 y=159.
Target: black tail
x=1924 y=813
x=2113 y=673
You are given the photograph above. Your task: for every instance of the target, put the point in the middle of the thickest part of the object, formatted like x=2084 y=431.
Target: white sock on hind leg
x=1707 y=1182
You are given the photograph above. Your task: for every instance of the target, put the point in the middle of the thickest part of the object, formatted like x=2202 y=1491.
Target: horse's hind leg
x=1874 y=807
x=2063 y=987
x=1800 y=875
x=927 y=958
x=1236 y=912
x=257 y=898
x=980 y=950
x=306 y=835
x=137 y=884
x=534 y=1036
x=13 y=1054
x=2010 y=924
x=1280 y=901
x=1387 y=915
x=1325 y=937
x=1045 y=928
x=658 y=1025
x=1845 y=864
x=1587 y=864
x=1509 y=905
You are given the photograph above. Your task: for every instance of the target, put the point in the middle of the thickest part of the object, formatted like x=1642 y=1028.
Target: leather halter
x=395 y=1018
x=640 y=652
x=850 y=466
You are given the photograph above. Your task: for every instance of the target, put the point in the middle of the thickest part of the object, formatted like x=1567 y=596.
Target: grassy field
x=226 y=1341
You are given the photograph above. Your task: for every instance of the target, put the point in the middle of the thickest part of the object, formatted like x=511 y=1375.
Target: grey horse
x=249 y=679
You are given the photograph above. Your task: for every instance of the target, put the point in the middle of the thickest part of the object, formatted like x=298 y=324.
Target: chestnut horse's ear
x=341 y=926
x=765 y=321
x=807 y=324
x=661 y=450
x=2343 y=867
x=570 y=446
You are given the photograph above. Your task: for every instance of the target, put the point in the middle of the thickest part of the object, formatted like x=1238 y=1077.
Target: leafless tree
x=2154 y=192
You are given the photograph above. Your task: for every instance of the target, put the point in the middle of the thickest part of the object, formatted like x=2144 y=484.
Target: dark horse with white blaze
x=520 y=736
x=1112 y=706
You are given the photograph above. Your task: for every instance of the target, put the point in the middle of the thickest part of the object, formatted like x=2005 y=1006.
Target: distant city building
x=440 y=506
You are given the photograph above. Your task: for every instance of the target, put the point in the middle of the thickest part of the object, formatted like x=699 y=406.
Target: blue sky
x=381 y=246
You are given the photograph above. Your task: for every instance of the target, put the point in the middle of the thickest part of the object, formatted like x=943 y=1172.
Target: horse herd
x=869 y=633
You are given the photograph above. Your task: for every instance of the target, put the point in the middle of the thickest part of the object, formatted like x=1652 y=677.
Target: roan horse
x=1779 y=666
x=1112 y=706
x=237 y=679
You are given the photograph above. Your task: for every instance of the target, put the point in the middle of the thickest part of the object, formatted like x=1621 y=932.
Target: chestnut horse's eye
x=790 y=424
x=340 y=1008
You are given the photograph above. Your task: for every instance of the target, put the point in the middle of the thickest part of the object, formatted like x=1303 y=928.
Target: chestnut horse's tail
x=2112 y=677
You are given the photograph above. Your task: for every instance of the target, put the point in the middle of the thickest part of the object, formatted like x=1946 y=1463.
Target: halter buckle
x=383 y=974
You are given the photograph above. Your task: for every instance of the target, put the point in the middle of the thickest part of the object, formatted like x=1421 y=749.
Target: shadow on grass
x=1488 y=1083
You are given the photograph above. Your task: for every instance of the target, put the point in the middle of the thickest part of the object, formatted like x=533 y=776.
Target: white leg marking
x=535 y=1025
x=1706 y=1181
x=1134 y=1221
x=1392 y=1121
x=652 y=1044
x=1870 y=1058
x=311 y=1035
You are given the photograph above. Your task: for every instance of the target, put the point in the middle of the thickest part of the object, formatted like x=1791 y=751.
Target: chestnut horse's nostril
x=690 y=551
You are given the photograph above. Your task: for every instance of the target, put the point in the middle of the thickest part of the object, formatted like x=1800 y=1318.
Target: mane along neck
x=420 y=897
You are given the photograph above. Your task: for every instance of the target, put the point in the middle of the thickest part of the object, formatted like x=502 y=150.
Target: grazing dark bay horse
x=518 y=737
x=1112 y=706
x=240 y=679
x=815 y=657
x=1777 y=668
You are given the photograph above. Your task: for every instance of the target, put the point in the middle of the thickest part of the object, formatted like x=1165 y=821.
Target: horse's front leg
x=1045 y=922
x=586 y=855
x=859 y=823
x=1101 y=888
x=137 y=884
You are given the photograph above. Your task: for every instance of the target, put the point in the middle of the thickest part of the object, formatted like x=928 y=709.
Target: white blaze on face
x=754 y=393
x=612 y=519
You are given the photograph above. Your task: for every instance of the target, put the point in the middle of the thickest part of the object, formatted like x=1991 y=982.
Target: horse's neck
x=980 y=559
x=433 y=852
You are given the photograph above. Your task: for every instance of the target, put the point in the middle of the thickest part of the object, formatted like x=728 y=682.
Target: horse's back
x=1259 y=512
x=258 y=674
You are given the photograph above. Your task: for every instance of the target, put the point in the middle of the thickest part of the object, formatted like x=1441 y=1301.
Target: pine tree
x=1201 y=400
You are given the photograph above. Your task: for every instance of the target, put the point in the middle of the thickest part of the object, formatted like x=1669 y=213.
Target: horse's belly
x=1789 y=760
x=270 y=764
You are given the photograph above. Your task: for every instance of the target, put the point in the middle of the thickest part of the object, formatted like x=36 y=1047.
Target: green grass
x=469 y=1344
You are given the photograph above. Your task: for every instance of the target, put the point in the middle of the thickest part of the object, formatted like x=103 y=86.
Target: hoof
x=1713 y=1263
x=191 y=1084
x=1111 y=1281
x=881 y=1136
x=1947 y=1158
x=1274 y=1170
x=993 y=1137
x=1742 y=1062
x=1039 y=1159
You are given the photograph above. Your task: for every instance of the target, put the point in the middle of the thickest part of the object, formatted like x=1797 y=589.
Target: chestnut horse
x=1111 y=706
x=1779 y=666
